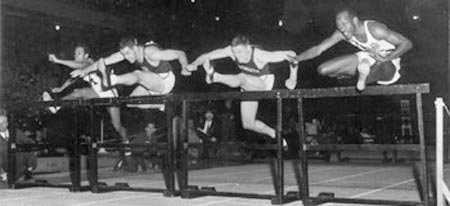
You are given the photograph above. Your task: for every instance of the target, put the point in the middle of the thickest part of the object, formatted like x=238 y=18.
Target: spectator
x=228 y=122
x=26 y=162
x=151 y=136
x=209 y=131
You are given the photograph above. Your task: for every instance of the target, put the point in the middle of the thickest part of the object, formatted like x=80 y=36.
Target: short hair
x=127 y=42
x=85 y=47
x=240 y=40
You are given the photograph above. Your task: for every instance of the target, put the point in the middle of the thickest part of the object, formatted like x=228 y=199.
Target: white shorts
x=169 y=84
x=268 y=81
x=365 y=55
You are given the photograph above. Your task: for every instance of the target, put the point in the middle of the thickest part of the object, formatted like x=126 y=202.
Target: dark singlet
x=163 y=66
x=251 y=68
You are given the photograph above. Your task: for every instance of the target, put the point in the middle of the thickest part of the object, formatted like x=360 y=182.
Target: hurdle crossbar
x=284 y=94
x=365 y=147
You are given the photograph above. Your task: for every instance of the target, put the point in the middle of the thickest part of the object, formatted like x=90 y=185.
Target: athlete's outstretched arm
x=111 y=59
x=69 y=63
x=317 y=50
x=273 y=56
x=168 y=55
x=216 y=54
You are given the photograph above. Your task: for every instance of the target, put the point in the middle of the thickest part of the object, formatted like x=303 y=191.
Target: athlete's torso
x=161 y=67
x=251 y=68
x=381 y=47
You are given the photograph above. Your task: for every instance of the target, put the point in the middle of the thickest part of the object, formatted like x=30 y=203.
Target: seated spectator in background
x=135 y=159
x=228 y=122
x=26 y=162
x=312 y=130
x=209 y=130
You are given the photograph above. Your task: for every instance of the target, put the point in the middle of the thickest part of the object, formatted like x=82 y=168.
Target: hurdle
x=14 y=148
x=276 y=164
x=412 y=89
x=442 y=190
x=92 y=147
x=168 y=148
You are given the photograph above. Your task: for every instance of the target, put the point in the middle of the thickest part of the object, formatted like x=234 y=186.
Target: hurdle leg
x=279 y=173
x=92 y=161
x=12 y=153
x=74 y=159
x=303 y=182
x=168 y=159
x=423 y=151
x=182 y=160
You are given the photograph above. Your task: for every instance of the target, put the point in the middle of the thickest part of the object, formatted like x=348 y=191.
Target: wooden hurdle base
x=194 y=191
x=329 y=198
x=124 y=186
x=21 y=184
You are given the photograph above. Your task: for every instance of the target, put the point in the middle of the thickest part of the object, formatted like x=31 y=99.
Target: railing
x=441 y=188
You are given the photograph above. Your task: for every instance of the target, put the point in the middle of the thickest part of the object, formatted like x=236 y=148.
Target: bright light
x=193 y=1
x=57 y=27
x=416 y=17
x=217 y=18
x=280 y=23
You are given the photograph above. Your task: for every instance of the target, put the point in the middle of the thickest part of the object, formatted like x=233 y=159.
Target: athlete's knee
x=324 y=69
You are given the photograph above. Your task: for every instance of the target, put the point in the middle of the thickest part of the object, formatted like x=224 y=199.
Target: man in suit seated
x=210 y=133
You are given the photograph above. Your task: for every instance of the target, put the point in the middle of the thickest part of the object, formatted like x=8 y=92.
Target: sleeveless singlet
x=163 y=66
x=251 y=68
x=381 y=47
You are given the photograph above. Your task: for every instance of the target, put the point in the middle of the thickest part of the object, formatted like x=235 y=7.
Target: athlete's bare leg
x=291 y=82
x=249 y=121
x=343 y=66
x=363 y=73
x=114 y=114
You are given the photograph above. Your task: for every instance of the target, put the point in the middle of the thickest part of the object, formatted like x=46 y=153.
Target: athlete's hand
x=52 y=58
x=185 y=72
x=191 y=68
x=292 y=60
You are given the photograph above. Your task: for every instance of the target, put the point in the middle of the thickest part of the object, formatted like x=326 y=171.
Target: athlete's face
x=80 y=55
x=346 y=25
x=242 y=53
x=129 y=54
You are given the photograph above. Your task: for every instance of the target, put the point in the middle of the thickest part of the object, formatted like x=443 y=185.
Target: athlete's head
x=81 y=53
x=240 y=46
x=346 y=22
x=128 y=48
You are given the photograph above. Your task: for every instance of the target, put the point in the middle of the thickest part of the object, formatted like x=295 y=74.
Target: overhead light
x=193 y=1
x=280 y=23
